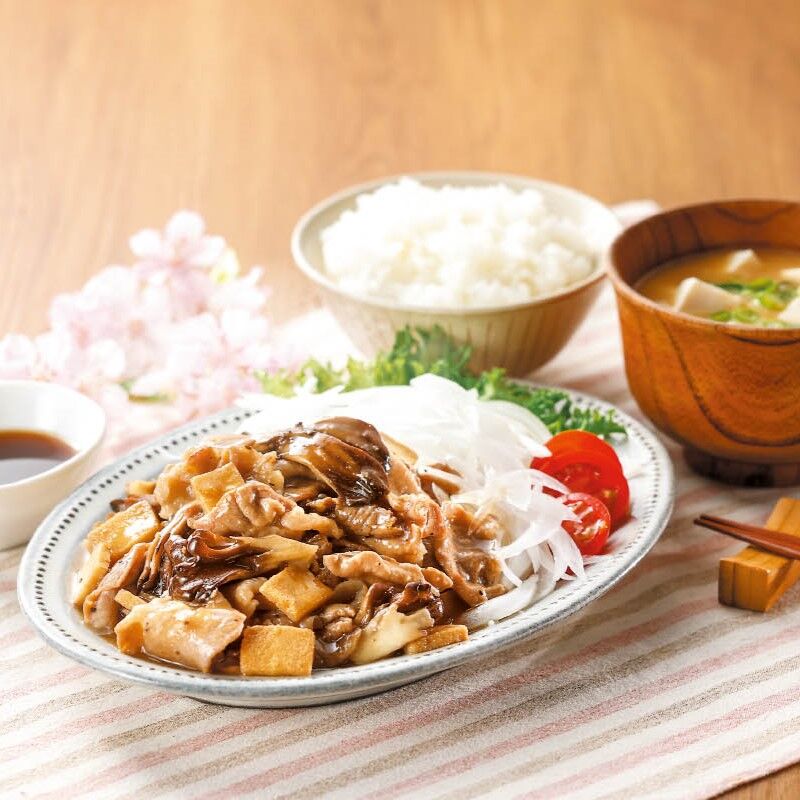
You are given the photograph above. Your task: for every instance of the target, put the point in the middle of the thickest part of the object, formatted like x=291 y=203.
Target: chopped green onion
x=745 y=315
x=768 y=293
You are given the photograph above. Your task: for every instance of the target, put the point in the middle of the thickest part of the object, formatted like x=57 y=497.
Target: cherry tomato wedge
x=592 y=472
x=576 y=440
x=591 y=532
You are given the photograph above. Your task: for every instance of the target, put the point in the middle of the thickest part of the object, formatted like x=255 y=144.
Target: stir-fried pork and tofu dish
x=318 y=547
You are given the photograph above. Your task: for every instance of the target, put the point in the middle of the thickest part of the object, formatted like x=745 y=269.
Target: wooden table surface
x=114 y=113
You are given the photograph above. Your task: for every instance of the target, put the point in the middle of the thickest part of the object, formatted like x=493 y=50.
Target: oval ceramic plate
x=53 y=551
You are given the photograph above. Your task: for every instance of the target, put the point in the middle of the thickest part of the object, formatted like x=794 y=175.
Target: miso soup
x=759 y=286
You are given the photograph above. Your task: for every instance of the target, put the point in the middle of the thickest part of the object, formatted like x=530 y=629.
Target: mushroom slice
x=357 y=433
x=177 y=526
x=100 y=609
x=351 y=472
x=402 y=478
x=388 y=631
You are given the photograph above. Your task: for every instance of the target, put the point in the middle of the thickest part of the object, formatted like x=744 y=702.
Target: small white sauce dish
x=58 y=411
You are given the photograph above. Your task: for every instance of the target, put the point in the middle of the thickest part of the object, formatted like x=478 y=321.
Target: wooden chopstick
x=779 y=537
x=776 y=542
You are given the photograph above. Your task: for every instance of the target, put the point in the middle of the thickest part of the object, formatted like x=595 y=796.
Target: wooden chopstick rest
x=756 y=579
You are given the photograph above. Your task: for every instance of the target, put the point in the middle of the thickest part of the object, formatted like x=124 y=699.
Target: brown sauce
x=24 y=454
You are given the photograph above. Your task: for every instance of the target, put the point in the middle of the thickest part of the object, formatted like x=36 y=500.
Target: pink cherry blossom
x=18 y=357
x=180 y=328
x=182 y=243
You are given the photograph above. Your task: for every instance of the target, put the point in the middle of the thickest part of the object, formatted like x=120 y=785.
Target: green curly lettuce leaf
x=418 y=351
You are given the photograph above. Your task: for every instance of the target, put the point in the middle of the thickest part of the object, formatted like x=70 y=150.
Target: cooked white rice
x=455 y=247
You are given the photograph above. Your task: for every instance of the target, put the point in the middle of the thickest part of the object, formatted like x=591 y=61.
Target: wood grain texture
x=113 y=113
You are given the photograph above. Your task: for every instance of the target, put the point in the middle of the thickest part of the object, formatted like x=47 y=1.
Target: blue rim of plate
x=51 y=554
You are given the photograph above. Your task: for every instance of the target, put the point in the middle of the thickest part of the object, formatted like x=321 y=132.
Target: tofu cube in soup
x=275 y=650
x=440 y=636
x=740 y=260
x=295 y=592
x=137 y=523
x=791 y=314
x=791 y=274
x=699 y=297
x=210 y=486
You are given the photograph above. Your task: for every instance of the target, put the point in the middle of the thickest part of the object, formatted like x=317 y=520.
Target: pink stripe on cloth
x=594 y=713
x=486 y=694
x=738 y=778
x=58 y=678
x=78 y=726
x=671 y=744
x=139 y=763
x=713 y=545
x=15 y=637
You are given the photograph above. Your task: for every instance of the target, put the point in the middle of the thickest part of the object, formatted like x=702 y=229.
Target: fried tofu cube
x=210 y=486
x=137 y=523
x=128 y=600
x=92 y=571
x=296 y=592
x=140 y=488
x=440 y=636
x=275 y=650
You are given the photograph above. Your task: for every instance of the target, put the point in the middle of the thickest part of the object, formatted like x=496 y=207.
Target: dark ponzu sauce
x=27 y=453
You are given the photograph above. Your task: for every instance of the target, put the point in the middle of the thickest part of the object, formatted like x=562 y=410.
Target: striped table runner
x=655 y=690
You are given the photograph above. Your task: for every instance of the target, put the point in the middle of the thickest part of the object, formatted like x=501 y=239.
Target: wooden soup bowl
x=729 y=393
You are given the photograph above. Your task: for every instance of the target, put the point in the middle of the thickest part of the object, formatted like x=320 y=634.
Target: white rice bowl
x=456 y=247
